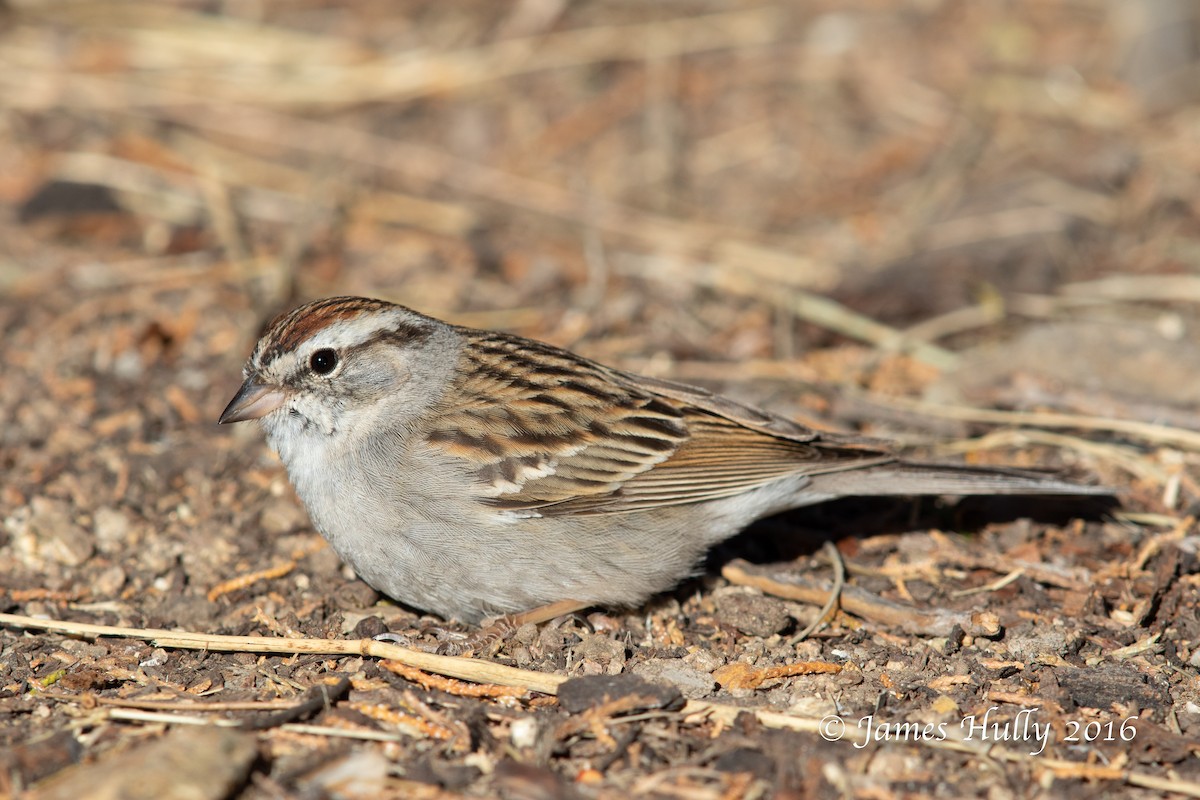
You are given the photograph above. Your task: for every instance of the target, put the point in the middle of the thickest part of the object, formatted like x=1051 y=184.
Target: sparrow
x=473 y=473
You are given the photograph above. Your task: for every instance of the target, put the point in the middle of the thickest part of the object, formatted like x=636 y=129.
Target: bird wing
x=549 y=432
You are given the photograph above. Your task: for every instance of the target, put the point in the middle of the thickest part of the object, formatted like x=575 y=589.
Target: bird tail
x=917 y=478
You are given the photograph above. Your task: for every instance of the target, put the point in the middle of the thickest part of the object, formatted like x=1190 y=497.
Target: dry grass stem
x=839 y=583
x=1145 y=431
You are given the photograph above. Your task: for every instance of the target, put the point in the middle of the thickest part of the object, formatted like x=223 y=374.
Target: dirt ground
x=972 y=227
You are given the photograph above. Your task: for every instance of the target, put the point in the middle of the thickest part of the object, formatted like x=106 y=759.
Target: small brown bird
x=474 y=473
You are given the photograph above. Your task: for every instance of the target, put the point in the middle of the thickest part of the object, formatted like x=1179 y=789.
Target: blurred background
x=922 y=219
x=985 y=202
x=657 y=184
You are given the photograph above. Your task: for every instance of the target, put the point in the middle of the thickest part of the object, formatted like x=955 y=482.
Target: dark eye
x=324 y=361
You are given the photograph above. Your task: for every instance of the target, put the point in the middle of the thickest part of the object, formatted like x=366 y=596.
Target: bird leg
x=496 y=629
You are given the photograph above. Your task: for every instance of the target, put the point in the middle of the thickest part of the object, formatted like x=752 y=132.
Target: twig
x=839 y=583
x=1127 y=288
x=347 y=733
x=805 y=305
x=1154 y=544
x=465 y=668
x=740 y=675
x=948 y=552
x=988 y=312
x=994 y=586
x=171 y=705
x=458 y=688
x=424 y=727
x=160 y=718
x=1146 y=431
x=270 y=573
x=859 y=602
x=319 y=697
x=725 y=714
x=1128 y=458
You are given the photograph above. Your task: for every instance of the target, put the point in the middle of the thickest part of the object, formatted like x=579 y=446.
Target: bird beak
x=253 y=401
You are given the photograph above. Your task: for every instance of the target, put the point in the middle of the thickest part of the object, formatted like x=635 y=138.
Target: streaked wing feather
x=720 y=459
x=555 y=433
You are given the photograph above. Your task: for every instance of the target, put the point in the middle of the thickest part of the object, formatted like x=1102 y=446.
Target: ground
x=973 y=228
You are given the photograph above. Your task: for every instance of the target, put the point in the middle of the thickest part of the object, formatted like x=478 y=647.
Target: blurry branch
x=192 y=101
x=264 y=191
x=420 y=164
x=170 y=34
x=804 y=305
x=1055 y=206
x=1144 y=431
x=153 y=192
x=369 y=203
x=1126 y=295
x=1132 y=288
x=779 y=369
x=226 y=222
x=1009 y=223
x=185 y=53
x=988 y=311
x=1128 y=458
x=1061 y=96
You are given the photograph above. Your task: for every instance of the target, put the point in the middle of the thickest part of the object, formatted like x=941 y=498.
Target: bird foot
x=494 y=631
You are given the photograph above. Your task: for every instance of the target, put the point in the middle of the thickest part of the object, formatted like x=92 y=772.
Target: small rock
x=86 y=679
x=849 y=677
x=580 y=694
x=753 y=614
x=32 y=761
x=523 y=733
x=524 y=781
x=108 y=582
x=692 y=683
x=521 y=656
x=83 y=650
x=362 y=774
x=111 y=528
x=704 y=660
x=551 y=640
x=370 y=627
x=355 y=594
x=1102 y=686
x=526 y=634
x=601 y=654
x=190 y=612
x=282 y=515
x=56 y=535
x=192 y=763
x=744 y=759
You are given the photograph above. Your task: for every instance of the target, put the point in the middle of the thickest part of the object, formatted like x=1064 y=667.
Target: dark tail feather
x=914 y=478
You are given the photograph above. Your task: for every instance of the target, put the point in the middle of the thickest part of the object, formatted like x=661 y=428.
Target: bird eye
x=324 y=361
